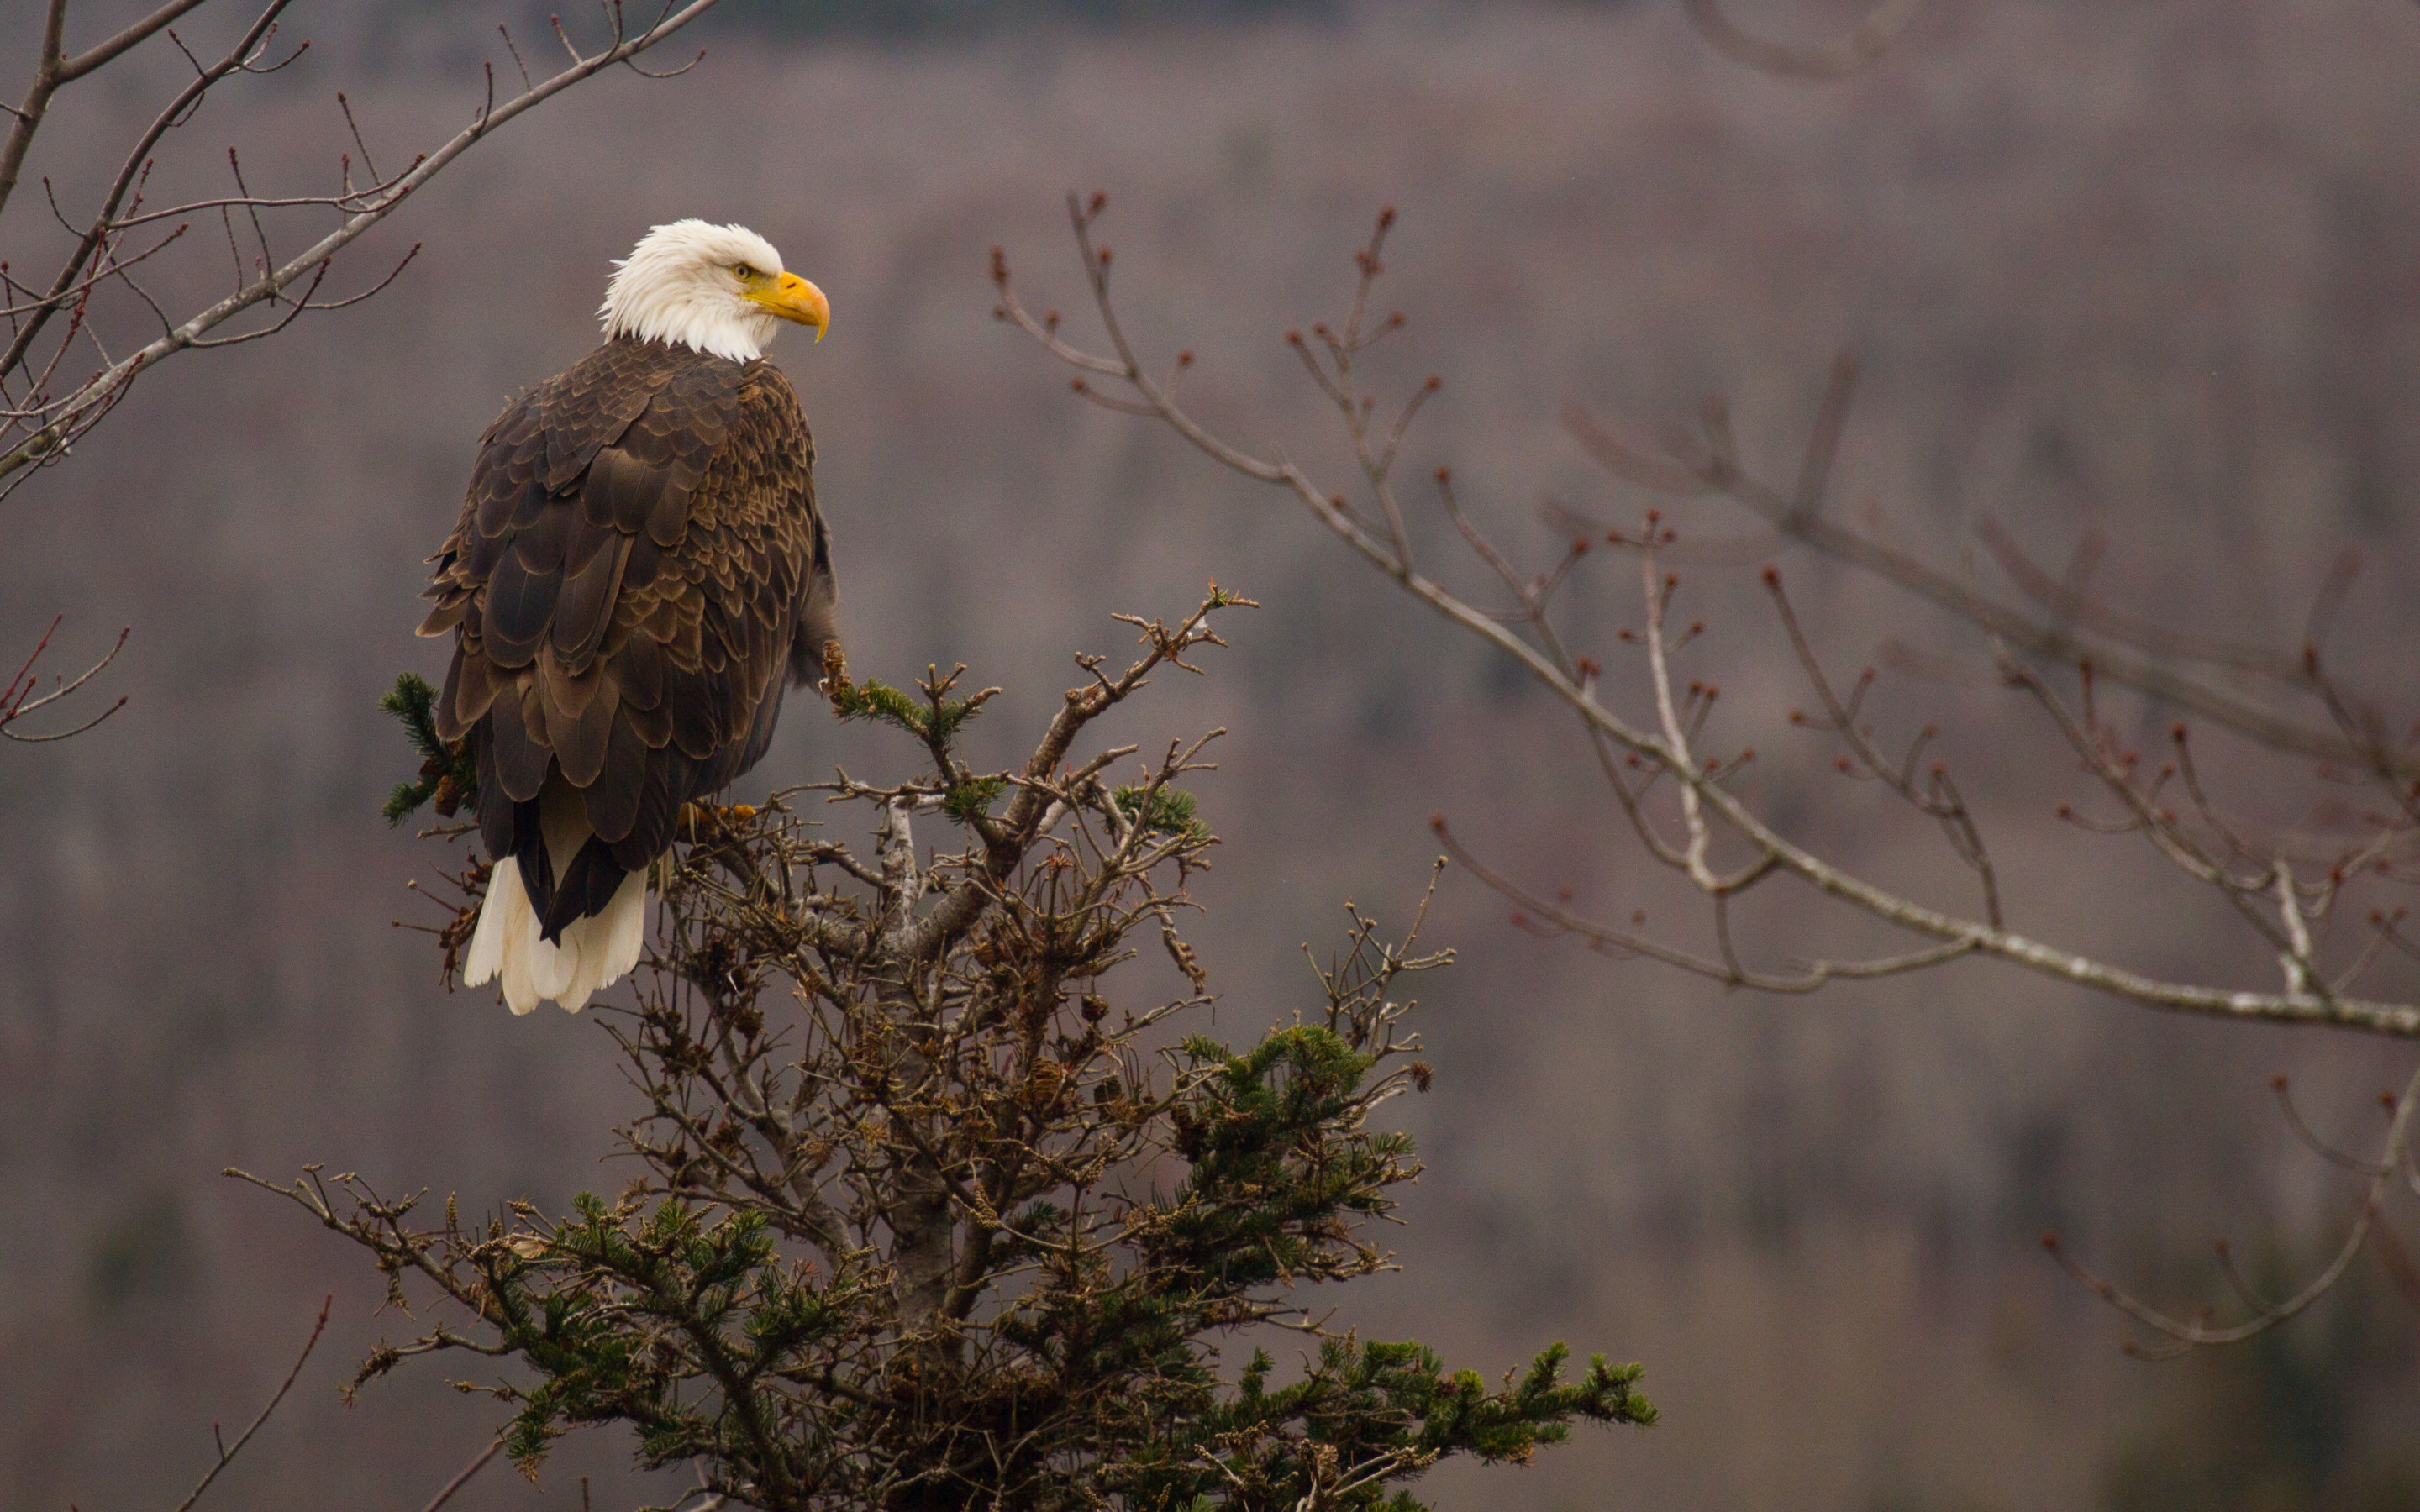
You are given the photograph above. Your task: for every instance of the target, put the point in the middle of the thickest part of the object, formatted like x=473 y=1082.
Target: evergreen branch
x=923 y=1217
x=449 y=775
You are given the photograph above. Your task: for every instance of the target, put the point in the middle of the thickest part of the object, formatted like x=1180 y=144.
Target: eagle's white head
x=717 y=289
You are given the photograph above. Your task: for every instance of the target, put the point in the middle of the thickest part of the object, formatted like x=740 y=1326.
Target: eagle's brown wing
x=638 y=558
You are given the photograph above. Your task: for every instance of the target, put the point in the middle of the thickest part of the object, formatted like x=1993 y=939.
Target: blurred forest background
x=2153 y=270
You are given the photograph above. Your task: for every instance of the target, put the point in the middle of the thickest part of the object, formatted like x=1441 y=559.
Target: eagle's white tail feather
x=505 y=921
x=621 y=930
x=595 y=952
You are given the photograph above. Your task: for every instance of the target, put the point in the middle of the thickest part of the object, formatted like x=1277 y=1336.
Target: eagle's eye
x=744 y=271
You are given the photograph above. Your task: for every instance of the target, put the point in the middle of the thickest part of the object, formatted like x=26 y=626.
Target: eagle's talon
x=835 y=685
x=702 y=821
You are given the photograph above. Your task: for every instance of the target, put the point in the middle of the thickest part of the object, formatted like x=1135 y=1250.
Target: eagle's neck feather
x=707 y=324
x=686 y=310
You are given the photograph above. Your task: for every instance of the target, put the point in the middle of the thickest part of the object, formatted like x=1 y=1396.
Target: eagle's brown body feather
x=638 y=560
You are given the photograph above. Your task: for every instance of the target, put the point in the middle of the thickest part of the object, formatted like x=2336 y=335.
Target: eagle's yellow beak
x=793 y=299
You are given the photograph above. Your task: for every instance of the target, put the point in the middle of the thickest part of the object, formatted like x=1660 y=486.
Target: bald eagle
x=638 y=562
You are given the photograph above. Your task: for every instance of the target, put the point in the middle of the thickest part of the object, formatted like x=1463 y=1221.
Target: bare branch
x=2045 y=639
x=101 y=52
x=28 y=116
x=51 y=425
x=18 y=696
x=2183 y=1334
x=1707 y=807
x=463 y=1478
x=227 y=1453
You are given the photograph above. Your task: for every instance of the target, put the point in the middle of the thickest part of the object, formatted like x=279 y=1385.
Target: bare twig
x=20 y=695
x=39 y=422
x=1709 y=809
x=2183 y=1334
x=227 y=1452
x=2044 y=638
x=463 y=1478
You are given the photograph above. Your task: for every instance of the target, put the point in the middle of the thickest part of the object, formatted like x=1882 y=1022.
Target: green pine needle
x=970 y=801
x=884 y=704
x=448 y=774
x=1168 y=811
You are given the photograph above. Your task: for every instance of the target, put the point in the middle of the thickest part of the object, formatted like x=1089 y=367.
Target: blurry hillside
x=2153 y=269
